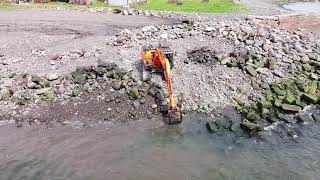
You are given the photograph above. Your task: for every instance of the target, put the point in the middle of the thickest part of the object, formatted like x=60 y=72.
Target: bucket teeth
x=171 y=116
x=175 y=118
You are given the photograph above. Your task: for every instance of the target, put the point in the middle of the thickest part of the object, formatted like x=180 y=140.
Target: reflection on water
x=306 y=7
x=143 y=150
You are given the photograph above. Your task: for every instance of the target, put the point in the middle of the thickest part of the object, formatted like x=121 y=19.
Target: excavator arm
x=174 y=114
x=167 y=73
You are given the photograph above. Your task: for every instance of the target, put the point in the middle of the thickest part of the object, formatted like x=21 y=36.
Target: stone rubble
x=30 y=89
x=260 y=54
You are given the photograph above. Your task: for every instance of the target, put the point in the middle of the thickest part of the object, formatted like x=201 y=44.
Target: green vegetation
x=51 y=5
x=213 y=6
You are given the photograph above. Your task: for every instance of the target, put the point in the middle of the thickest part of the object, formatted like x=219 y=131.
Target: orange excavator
x=159 y=58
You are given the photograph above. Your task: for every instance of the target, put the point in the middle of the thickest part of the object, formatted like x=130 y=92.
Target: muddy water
x=305 y=7
x=149 y=150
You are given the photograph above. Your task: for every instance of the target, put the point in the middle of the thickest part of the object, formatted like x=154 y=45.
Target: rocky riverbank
x=274 y=61
x=109 y=90
x=220 y=61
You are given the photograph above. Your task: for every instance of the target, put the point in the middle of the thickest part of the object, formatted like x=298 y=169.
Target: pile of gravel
x=265 y=54
x=29 y=89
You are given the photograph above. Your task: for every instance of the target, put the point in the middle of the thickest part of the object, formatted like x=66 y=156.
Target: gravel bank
x=247 y=56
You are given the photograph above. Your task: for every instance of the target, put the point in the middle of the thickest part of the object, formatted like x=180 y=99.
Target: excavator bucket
x=175 y=116
x=171 y=116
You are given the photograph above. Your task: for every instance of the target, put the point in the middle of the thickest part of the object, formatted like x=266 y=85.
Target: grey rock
x=8 y=83
x=154 y=106
x=309 y=98
x=223 y=123
x=313 y=56
x=314 y=76
x=125 y=12
x=36 y=79
x=249 y=42
x=278 y=73
x=286 y=117
x=5 y=94
x=242 y=36
x=304 y=118
x=159 y=96
x=291 y=108
x=287 y=60
x=142 y=101
x=149 y=29
x=87 y=54
x=131 y=12
x=251 y=70
x=147 y=13
x=212 y=127
x=52 y=77
x=235 y=127
x=307 y=67
x=316 y=117
x=116 y=85
x=136 y=103
x=31 y=84
x=226 y=61
x=275 y=38
x=292 y=133
x=153 y=91
x=134 y=93
x=42 y=91
x=79 y=76
x=305 y=59
x=209 y=29
x=299 y=48
x=250 y=126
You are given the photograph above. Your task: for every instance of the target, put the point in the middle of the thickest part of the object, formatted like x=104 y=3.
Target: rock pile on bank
x=263 y=42
x=28 y=89
x=284 y=97
x=257 y=49
x=260 y=51
x=266 y=54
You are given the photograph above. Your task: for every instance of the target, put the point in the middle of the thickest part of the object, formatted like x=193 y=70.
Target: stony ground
x=29 y=38
x=54 y=44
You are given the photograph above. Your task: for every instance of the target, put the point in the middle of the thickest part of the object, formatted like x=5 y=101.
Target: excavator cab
x=159 y=58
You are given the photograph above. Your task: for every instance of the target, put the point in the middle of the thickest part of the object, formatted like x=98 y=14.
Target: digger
x=159 y=58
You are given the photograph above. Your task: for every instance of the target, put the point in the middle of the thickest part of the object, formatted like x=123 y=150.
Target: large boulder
x=133 y=93
x=79 y=76
x=5 y=94
x=291 y=108
x=251 y=70
x=304 y=118
x=309 y=98
x=250 y=126
x=212 y=127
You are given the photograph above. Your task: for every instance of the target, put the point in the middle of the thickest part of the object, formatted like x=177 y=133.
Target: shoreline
x=230 y=32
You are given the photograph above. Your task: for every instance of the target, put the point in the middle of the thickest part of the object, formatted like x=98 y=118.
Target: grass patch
x=213 y=6
x=52 y=5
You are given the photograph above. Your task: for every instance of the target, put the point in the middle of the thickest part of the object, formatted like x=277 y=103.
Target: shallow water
x=305 y=7
x=146 y=150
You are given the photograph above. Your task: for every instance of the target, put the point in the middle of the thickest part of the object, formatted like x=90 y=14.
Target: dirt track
x=57 y=31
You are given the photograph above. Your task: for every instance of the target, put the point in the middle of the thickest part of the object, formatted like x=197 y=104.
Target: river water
x=148 y=150
x=305 y=7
